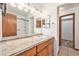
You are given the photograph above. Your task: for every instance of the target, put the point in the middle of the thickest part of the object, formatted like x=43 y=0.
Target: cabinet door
x=51 y=52
x=31 y=52
x=9 y=25
x=51 y=47
x=44 y=52
x=42 y=46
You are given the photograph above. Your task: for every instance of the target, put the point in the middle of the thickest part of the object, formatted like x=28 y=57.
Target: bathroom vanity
x=43 y=49
x=31 y=45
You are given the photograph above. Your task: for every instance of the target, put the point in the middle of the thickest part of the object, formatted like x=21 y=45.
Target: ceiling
x=67 y=6
x=38 y=6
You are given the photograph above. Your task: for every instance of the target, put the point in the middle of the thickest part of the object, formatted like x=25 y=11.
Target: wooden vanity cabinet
x=9 y=25
x=51 y=47
x=42 y=46
x=31 y=52
x=44 y=49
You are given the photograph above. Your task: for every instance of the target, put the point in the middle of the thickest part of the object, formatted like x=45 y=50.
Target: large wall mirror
x=23 y=24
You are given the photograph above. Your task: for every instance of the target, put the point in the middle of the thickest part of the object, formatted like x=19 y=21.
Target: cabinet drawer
x=31 y=52
x=42 y=46
x=51 y=49
x=44 y=52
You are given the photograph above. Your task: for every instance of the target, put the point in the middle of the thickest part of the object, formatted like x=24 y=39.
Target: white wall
x=76 y=11
x=77 y=31
x=0 y=24
x=51 y=9
x=67 y=30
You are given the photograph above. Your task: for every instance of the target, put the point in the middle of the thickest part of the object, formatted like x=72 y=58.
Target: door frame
x=60 y=30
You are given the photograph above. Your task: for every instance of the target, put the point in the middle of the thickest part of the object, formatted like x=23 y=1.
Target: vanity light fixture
x=26 y=10
x=31 y=11
x=13 y=4
x=25 y=7
x=19 y=6
x=35 y=14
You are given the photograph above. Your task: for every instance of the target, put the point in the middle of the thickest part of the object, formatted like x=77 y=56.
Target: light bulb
x=14 y=5
x=34 y=14
x=26 y=10
x=31 y=11
x=20 y=8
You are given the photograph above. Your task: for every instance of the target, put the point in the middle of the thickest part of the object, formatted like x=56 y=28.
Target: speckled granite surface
x=14 y=47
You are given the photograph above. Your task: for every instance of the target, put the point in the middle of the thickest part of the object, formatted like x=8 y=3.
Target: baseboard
x=59 y=50
x=76 y=49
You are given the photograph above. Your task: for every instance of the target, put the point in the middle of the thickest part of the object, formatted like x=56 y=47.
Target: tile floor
x=67 y=43
x=67 y=50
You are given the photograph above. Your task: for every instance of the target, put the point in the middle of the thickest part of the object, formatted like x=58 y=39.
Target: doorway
x=67 y=30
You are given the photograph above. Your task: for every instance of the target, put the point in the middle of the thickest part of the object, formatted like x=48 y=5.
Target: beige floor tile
x=67 y=51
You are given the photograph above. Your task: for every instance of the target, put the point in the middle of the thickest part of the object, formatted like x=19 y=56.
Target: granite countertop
x=14 y=47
